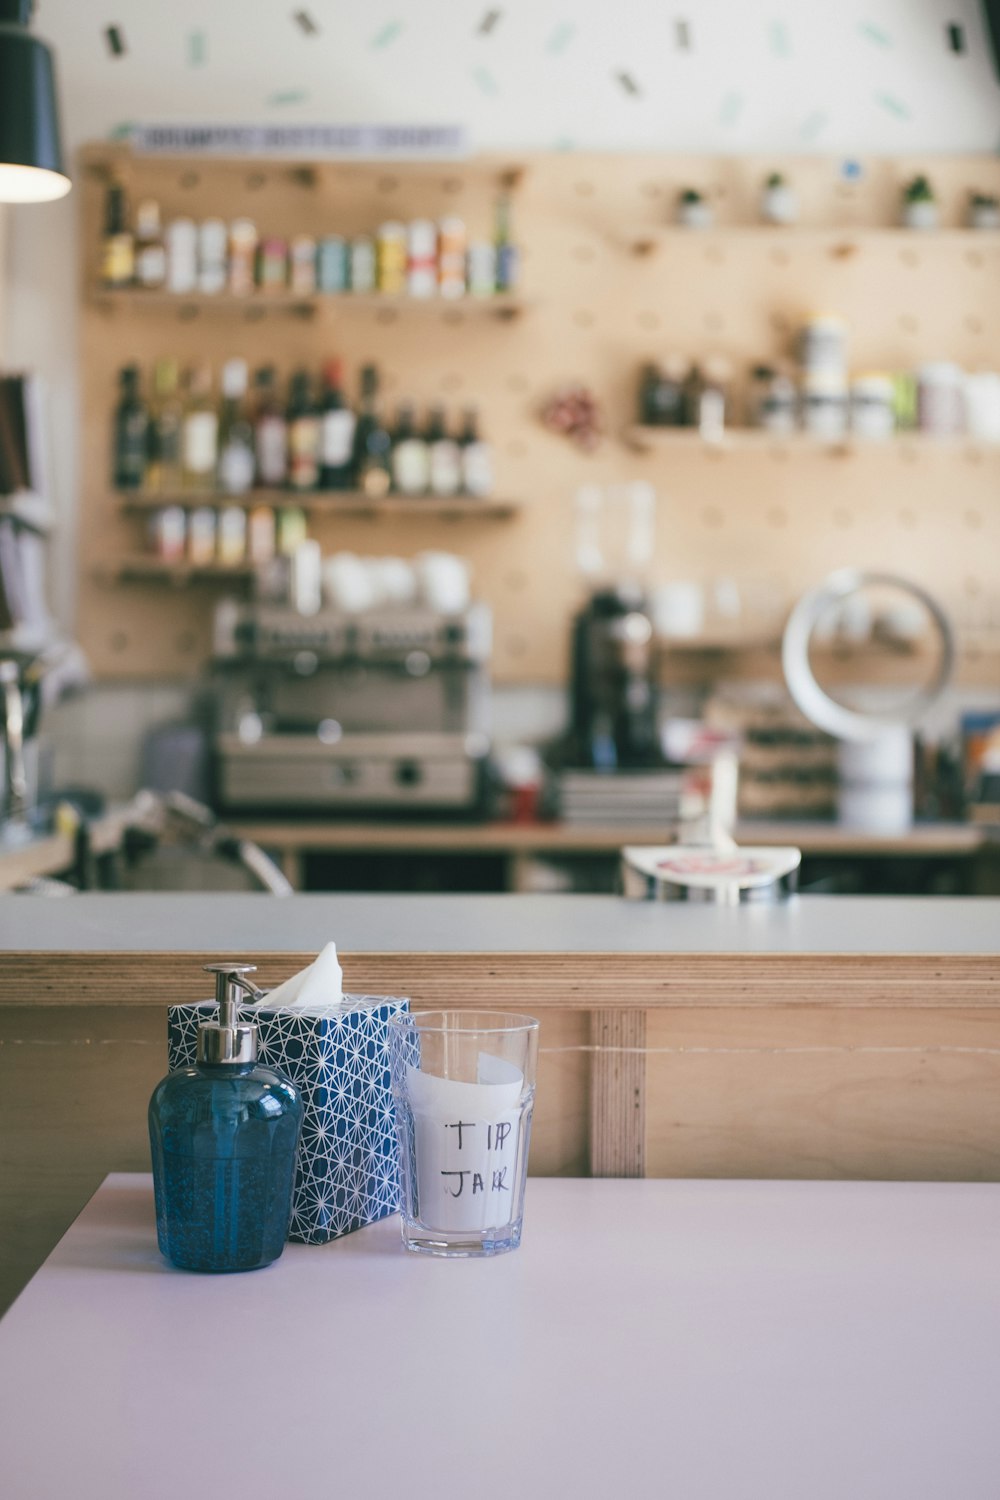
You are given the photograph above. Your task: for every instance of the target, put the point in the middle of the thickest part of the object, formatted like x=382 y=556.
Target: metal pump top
x=228 y=1040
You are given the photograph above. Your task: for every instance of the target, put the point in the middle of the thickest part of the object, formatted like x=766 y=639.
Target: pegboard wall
x=607 y=285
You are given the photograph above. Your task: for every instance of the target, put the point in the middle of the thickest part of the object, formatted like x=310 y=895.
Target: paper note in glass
x=464 y=1086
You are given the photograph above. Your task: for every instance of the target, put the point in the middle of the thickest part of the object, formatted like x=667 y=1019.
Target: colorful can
x=302 y=265
x=167 y=533
x=201 y=535
x=272 y=264
x=481 y=273
x=451 y=257
x=390 y=258
x=421 y=259
x=261 y=534
x=242 y=256
x=362 y=261
x=331 y=264
x=232 y=534
x=292 y=529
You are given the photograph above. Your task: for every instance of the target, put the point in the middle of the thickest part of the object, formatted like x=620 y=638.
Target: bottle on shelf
x=236 y=436
x=118 y=246
x=444 y=456
x=213 y=246
x=508 y=256
x=164 y=471
x=337 y=427
x=303 y=435
x=270 y=433
x=182 y=256
x=410 y=459
x=242 y=257
x=372 y=443
x=131 y=433
x=477 y=458
x=199 y=432
x=150 y=247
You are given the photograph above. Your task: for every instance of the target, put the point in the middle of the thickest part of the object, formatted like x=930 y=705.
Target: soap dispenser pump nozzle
x=227 y=1039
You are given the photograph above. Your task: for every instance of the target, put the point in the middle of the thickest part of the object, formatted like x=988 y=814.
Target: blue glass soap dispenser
x=224 y=1137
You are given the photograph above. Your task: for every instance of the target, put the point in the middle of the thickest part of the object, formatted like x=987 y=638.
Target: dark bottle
x=164 y=471
x=270 y=433
x=236 y=437
x=372 y=443
x=224 y=1137
x=410 y=456
x=303 y=435
x=336 y=432
x=661 y=397
x=131 y=433
x=118 y=244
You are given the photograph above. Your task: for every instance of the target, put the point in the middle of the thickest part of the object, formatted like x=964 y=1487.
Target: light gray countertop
x=167 y=922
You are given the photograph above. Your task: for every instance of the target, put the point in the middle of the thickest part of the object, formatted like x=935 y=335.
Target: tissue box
x=338 y=1056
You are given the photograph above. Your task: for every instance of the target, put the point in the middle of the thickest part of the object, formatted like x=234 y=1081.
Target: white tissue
x=317 y=986
x=466 y=1144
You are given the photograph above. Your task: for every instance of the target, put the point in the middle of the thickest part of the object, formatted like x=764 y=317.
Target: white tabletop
x=691 y=1340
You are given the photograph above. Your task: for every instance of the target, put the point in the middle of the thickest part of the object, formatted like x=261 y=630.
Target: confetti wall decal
x=115 y=38
x=778 y=37
x=682 y=35
x=956 y=36
x=305 y=23
x=387 y=35
x=288 y=96
x=893 y=106
x=875 y=34
x=485 y=80
x=628 y=84
x=731 y=108
x=813 y=126
x=489 y=22
x=197 y=49
x=561 y=37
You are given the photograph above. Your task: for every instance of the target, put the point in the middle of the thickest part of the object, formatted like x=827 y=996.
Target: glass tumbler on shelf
x=463 y=1082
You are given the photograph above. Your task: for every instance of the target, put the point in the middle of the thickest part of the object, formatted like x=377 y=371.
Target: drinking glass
x=463 y=1082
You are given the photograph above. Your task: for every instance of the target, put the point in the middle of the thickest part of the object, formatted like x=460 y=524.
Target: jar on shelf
x=661 y=394
x=778 y=202
x=823 y=344
x=940 y=398
x=873 y=413
x=694 y=211
x=984 y=211
x=824 y=405
x=773 y=401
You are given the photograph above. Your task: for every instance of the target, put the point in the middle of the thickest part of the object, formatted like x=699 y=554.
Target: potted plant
x=984 y=211
x=920 y=210
x=778 y=203
x=693 y=210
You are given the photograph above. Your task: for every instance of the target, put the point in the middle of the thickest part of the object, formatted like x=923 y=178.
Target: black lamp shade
x=31 y=166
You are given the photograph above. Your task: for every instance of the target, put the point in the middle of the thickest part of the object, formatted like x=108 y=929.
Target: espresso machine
x=383 y=711
x=613 y=684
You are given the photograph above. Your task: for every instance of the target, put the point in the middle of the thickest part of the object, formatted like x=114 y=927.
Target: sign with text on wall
x=363 y=142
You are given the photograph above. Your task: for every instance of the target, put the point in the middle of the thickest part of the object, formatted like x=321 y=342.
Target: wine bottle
x=444 y=456
x=270 y=433
x=199 y=432
x=372 y=443
x=236 y=446
x=410 y=458
x=477 y=458
x=131 y=431
x=303 y=435
x=118 y=247
x=164 y=471
x=337 y=427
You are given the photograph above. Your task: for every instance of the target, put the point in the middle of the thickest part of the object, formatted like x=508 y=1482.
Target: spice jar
x=873 y=406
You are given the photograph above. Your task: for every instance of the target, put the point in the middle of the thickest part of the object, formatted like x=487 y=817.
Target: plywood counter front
x=828 y=1037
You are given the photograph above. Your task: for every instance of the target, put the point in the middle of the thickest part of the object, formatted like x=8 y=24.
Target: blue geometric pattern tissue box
x=338 y=1056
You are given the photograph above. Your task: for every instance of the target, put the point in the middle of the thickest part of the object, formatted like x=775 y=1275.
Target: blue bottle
x=224 y=1137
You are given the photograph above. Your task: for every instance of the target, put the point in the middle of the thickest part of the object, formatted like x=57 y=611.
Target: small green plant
x=984 y=200
x=691 y=196
x=775 y=180
x=919 y=190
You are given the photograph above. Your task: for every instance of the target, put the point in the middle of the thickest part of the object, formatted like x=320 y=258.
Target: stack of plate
x=624 y=797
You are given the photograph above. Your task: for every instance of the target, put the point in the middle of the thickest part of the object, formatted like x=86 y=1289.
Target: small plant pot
x=695 y=215
x=779 y=205
x=922 y=213
x=984 y=216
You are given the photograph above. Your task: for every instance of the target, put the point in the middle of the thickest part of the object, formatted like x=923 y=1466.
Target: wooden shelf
x=154 y=569
x=336 y=502
x=258 y=304
x=737 y=439
x=648 y=239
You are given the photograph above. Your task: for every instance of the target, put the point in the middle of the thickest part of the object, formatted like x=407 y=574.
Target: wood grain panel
x=535 y=981
x=618 y=1093
x=807 y=1092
